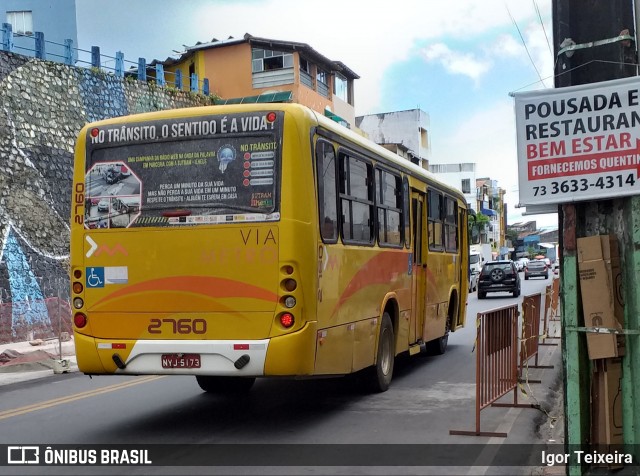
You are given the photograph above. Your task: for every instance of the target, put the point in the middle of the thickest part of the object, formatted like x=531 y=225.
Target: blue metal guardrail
x=68 y=57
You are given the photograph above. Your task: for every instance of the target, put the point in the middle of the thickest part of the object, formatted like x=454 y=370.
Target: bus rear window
x=184 y=172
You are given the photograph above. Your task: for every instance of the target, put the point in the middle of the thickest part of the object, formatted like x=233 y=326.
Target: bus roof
x=401 y=162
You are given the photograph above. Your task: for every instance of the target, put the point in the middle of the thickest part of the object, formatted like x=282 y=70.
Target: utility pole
x=603 y=33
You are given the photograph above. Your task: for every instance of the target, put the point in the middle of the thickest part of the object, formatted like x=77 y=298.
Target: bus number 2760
x=178 y=326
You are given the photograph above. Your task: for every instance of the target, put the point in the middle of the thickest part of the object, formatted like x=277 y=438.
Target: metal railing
x=74 y=56
x=530 y=337
x=496 y=363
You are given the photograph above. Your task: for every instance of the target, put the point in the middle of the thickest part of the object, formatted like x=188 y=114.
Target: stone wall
x=43 y=106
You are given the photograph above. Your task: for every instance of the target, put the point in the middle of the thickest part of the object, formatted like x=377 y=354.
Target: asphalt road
x=429 y=396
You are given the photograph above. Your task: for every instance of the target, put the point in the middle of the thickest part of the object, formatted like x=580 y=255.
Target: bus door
x=463 y=251
x=419 y=273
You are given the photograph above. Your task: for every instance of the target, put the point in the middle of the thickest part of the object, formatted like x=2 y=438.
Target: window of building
x=322 y=82
x=21 y=22
x=322 y=77
x=435 y=208
x=267 y=60
x=306 y=76
x=389 y=205
x=327 y=202
x=341 y=87
x=466 y=185
x=305 y=66
x=356 y=199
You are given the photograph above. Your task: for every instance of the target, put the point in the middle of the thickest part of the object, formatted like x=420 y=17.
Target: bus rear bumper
x=287 y=355
x=242 y=358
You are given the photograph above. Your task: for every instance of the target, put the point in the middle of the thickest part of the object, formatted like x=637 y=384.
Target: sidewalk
x=22 y=361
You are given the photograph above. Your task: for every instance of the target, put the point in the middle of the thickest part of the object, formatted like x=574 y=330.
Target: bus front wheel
x=379 y=376
x=225 y=385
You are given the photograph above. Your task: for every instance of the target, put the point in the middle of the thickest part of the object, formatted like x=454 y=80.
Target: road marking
x=94 y=246
x=78 y=396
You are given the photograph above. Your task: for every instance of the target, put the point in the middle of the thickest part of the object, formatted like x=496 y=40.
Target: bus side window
x=451 y=224
x=435 y=208
x=389 y=203
x=405 y=215
x=327 y=198
x=357 y=199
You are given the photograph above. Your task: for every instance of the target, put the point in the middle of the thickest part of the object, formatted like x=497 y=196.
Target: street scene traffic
x=259 y=240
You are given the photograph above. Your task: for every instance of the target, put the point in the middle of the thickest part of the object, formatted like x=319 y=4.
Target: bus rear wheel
x=225 y=385
x=439 y=345
x=378 y=377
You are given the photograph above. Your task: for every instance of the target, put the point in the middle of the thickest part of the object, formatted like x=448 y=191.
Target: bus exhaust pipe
x=118 y=361
x=242 y=361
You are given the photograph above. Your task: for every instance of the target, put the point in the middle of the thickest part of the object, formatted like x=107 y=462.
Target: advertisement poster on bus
x=578 y=143
x=182 y=172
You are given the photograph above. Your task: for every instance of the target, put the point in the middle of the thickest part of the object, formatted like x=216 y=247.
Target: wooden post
x=160 y=75
x=142 y=69
x=68 y=52
x=95 y=57
x=119 y=64
x=41 y=52
x=194 y=83
x=7 y=37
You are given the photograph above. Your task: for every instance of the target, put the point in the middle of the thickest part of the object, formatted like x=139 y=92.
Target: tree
x=477 y=224
x=511 y=235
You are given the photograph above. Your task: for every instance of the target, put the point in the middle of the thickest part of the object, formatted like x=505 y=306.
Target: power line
x=543 y=28
x=525 y=45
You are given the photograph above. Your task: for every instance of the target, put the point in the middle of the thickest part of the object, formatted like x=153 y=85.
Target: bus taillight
x=271 y=116
x=290 y=285
x=287 y=269
x=79 y=320
x=286 y=320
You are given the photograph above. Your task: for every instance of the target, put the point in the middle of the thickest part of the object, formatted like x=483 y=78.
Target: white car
x=103 y=205
x=473 y=282
x=522 y=263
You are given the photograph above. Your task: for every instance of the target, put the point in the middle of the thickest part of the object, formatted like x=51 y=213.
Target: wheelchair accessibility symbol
x=95 y=277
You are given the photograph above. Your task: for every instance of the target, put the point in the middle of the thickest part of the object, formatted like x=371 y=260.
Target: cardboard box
x=600 y=281
x=606 y=403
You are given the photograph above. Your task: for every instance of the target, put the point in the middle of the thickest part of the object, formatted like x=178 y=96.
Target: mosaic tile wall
x=43 y=106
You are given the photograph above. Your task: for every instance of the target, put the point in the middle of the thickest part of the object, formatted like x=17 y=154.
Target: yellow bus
x=263 y=240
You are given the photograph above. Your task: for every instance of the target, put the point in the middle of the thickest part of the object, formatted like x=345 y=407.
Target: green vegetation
x=477 y=224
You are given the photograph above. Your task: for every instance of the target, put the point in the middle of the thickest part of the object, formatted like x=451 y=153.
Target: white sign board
x=579 y=143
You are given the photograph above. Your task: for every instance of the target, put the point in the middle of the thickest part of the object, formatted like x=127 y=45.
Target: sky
x=457 y=61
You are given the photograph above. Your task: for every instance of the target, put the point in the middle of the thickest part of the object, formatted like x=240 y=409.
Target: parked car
x=473 y=281
x=499 y=276
x=536 y=268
